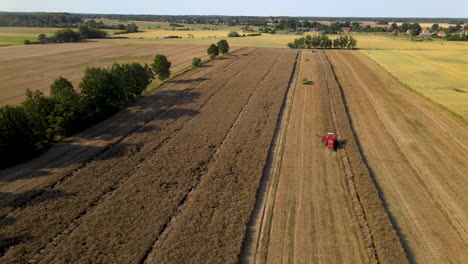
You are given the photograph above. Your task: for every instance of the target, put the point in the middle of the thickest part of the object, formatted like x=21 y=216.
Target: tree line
x=72 y=20
x=323 y=42
x=41 y=120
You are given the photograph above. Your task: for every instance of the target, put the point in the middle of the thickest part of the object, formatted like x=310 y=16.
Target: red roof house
x=249 y=29
x=345 y=29
x=441 y=34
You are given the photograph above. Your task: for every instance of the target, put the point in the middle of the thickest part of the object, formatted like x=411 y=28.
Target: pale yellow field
x=365 y=41
x=158 y=34
x=441 y=76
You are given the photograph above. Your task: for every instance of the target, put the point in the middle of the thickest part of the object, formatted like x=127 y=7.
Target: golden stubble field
x=36 y=66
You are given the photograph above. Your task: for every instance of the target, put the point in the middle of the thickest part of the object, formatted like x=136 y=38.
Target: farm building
x=463 y=32
x=409 y=31
x=345 y=29
x=249 y=29
x=441 y=34
x=314 y=29
x=425 y=33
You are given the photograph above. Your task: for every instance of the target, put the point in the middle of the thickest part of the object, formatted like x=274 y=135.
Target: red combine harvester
x=330 y=141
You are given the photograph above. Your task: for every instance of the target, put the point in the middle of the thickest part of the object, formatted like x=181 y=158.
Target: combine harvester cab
x=330 y=141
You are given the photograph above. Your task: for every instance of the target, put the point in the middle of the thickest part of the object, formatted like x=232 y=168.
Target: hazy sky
x=372 y=8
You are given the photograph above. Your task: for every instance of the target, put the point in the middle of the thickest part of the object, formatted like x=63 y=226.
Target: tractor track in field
x=358 y=207
x=56 y=240
x=213 y=159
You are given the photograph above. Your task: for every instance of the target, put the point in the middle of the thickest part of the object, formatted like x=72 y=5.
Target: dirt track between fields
x=418 y=154
x=36 y=66
x=124 y=191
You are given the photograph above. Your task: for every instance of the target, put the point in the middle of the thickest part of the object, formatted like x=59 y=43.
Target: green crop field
x=439 y=75
x=9 y=41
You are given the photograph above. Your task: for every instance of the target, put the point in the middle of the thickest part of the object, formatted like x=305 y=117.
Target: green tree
x=435 y=27
x=65 y=117
x=38 y=107
x=196 y=62
x=223 y=46
x=17 y=140
x=103 y=96
x=161 y=67
x=213 y=51
x=394 y=26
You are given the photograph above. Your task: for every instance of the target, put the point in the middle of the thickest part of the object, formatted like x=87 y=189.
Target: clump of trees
x=214 y=50
x=41 y=120
x=323 y=42
x=130 y=28
x=69 y=35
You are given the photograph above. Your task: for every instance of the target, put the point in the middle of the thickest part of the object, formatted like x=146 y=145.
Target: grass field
x=439 y=75
x=9 y=41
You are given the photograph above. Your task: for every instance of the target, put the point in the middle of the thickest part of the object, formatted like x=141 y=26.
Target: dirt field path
x=36 y=66
x=312 y=216
x=190 y=153
x=418 y=154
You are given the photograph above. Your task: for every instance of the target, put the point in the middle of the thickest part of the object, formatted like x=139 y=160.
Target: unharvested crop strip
x=213 y=159
x=270 y=178
x=359 y=211
x=381 y=236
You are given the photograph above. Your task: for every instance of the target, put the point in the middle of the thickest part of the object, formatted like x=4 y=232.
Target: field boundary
x=269 y=180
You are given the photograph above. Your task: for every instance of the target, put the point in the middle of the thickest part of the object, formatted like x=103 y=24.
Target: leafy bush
x=27 y=42
x=196 y=62
x=233 y=34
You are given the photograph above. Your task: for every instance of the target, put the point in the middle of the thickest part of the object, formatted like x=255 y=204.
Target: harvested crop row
x=124 y=226
x=308 y=213
x=72 y=197
x=210 y=227
x=384 y=237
